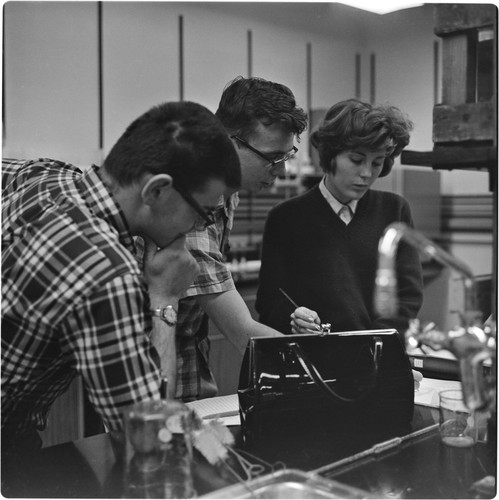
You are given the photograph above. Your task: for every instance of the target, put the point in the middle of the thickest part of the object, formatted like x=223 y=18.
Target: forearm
x=231 y=315
x=240 y=336
x=167 y=272
x=256 y=329
x=163 y=340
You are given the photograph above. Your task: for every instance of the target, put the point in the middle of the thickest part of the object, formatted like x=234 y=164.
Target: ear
x=155 y=188
x=332 y=165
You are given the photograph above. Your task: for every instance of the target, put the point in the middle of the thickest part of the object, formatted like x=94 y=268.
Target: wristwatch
x=167 y=314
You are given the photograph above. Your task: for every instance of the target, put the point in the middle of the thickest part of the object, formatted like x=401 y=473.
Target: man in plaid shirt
x=74 y=301
x=262 y=119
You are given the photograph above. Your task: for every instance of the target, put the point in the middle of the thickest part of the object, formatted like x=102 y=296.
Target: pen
x=288 y=297
x=317 y=327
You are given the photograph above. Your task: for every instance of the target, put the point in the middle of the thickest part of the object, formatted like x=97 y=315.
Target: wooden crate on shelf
x=465 y=122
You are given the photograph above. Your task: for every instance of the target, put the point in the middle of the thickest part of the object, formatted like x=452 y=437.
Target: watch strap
x=168 y=314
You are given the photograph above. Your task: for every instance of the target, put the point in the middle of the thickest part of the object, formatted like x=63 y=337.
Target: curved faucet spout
x=385 y=296
x=470 y=344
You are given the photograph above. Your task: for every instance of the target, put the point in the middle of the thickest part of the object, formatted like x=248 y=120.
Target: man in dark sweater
x=321 y=248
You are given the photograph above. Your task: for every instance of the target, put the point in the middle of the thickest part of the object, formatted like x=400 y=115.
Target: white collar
x=333 y=202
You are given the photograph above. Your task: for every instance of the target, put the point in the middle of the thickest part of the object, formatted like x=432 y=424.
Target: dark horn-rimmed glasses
x=271 y=163
x=205 y=218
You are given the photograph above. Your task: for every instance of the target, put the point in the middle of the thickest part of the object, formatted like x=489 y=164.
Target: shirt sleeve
x=107 y=337
x=214 y=276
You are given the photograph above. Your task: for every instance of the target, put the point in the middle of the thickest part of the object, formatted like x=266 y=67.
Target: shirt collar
x=229 y=205
x=333 y=202
x=101 y=203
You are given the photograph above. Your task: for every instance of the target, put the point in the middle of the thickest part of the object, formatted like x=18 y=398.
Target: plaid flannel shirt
x=73 y=299
x=214 y=277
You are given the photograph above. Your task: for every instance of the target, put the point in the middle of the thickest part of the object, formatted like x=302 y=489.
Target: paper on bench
x=225 y=408
x=429 y=389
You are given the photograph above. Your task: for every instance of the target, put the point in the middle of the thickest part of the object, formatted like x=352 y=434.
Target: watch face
x=170 y=315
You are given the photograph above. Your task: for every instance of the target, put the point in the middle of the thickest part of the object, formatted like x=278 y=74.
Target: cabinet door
x=140 y=62
x=51 y=80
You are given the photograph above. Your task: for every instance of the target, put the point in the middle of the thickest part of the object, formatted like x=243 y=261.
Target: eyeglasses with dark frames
x=271 y=163
x=205 y=218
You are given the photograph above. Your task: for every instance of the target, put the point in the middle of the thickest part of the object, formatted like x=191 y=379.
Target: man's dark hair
x=247 y=101
x=182 y=139
x=354 y=124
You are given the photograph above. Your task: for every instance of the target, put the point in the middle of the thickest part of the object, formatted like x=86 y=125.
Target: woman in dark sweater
x=327 y=259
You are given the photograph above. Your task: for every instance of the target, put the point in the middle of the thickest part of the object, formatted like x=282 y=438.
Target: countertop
x=417 y=468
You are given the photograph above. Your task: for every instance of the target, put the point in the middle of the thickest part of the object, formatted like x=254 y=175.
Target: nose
x=366 y=170
x=279 y=169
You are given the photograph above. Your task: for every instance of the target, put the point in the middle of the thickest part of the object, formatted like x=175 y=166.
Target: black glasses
x=204 y=218
x=271 y=163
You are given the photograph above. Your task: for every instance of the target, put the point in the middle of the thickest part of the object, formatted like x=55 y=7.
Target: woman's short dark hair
x=182 y=139
x=352 y=124
x=247 y=101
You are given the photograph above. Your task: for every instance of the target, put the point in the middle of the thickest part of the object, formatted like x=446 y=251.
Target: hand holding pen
x=303 y=320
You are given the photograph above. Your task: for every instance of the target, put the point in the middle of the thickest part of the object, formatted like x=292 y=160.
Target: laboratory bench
x=389 y=462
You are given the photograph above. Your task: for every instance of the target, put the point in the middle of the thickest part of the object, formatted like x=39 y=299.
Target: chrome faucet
x=470 y=342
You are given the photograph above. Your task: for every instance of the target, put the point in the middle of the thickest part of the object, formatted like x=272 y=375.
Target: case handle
x=314 y=374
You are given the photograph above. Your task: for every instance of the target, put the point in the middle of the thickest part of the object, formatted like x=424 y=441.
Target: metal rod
x=4 y=79
x=376 y=449
x=309 y=79
x=373 y=79
x=250 y=53
x=436 y=71
x=358 y=90
x=181 y=57
x=100 y=66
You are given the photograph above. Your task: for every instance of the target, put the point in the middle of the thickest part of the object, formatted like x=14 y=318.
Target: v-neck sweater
x=330 y=267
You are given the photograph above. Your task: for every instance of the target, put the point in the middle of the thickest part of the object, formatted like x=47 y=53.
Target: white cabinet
x=139 y=62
